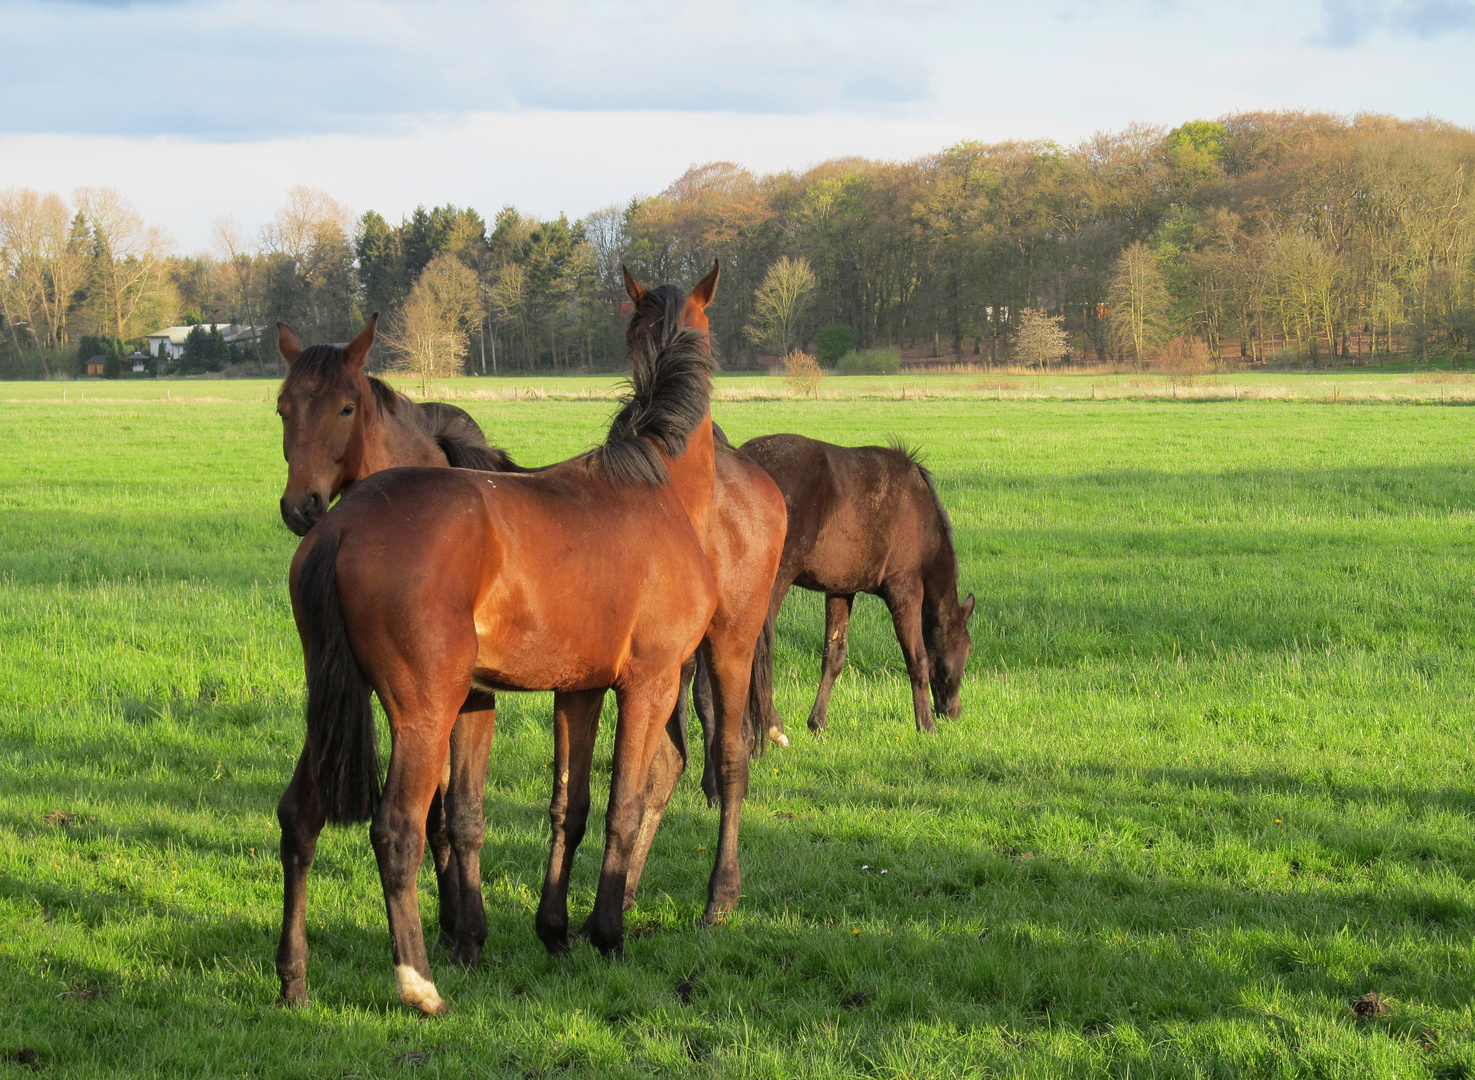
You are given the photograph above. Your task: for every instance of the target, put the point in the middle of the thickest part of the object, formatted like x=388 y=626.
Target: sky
x=199 y=109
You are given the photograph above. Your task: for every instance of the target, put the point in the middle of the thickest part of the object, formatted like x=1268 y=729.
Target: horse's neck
x=692 y=474
x=392 y=440
x=940 y=578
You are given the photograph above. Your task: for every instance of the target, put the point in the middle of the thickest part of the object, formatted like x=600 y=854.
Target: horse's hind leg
x=645 y=710
x=471 y=744
x=301 y=815
x=905 y=603
x=421 y=742
x=575 y=725
x=762 y=672
x=701 y=696
x=837 y=622
x=728 y=661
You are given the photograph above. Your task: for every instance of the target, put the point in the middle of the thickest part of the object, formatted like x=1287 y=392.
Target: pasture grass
x=1211 y=784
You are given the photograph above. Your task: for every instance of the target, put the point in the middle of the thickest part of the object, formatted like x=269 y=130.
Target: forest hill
x=1258 y=236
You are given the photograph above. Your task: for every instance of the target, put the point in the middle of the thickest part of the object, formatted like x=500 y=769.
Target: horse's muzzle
x=305 y=514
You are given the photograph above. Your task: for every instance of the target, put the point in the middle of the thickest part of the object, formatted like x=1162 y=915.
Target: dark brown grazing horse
x=867 y=519
x=428 y=585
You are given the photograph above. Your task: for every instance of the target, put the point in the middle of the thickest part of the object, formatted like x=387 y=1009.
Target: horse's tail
x=342 y=751
x=760 y=691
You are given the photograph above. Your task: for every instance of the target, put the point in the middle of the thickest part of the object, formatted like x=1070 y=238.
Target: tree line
x=1287 y=237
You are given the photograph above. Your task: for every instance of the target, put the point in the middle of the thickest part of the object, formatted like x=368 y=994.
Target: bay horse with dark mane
x=435 y=586
x=340 y=425
x=867 y=519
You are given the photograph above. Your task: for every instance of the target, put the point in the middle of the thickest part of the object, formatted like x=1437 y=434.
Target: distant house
x=169 y=342
x=97 y=365
x=137 y=360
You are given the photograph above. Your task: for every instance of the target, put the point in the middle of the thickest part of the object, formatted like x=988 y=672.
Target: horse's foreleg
x=575 y=726
x=471 y=745
x=301 y=816
x=763 y=663
x=438 y=836
x=905 y=604
x=837 y=623
x=727 y=655
x=645 y=711
x=421 y=741
x=701 y=696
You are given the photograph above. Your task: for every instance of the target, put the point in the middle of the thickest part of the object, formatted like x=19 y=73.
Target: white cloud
x=205 y=107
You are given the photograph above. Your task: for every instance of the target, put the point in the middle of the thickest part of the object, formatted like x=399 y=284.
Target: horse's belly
x=540 y=665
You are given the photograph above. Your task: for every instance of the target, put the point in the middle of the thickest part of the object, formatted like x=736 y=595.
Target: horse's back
x=857 y=514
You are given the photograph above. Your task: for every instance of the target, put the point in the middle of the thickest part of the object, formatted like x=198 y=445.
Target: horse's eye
x=347 y=411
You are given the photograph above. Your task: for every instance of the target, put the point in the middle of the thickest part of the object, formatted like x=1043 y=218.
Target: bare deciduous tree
x=1138 y=300
x=41 y=268
x=780 y=304
x=128 y=272
x=299 y=226
x=231 y=245
x=426 y=336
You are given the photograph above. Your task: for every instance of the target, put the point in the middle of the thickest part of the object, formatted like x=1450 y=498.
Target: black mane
x=914 y=455
x=670 y=393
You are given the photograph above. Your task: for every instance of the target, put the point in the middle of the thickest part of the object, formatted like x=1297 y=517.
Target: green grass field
x=1212 y=781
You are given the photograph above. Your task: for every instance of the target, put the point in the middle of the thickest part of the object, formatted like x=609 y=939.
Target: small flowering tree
x=1041 y=339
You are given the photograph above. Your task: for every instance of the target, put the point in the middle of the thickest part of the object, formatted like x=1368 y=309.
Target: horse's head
x=652 y=306
x=323 y=403
x=948 y=646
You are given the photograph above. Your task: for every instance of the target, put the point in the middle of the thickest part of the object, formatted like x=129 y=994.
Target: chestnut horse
x=867 y=519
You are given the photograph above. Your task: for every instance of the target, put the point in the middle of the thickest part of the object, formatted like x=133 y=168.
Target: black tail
x=760 y=692
x=342 y=750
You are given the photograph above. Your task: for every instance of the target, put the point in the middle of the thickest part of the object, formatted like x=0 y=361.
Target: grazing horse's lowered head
x=948 y=646
x=322 y=403
x=944 y=618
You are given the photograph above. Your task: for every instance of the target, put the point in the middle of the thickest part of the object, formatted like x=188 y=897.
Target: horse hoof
x=466 y=956
x=294 y=995
x=777 y=735
x=417 y=991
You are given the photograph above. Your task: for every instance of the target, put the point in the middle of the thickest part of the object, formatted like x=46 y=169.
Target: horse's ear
x=288 y=343
x=967 y=606
x=637 y=294
x=705 y=289
x=358 y=349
